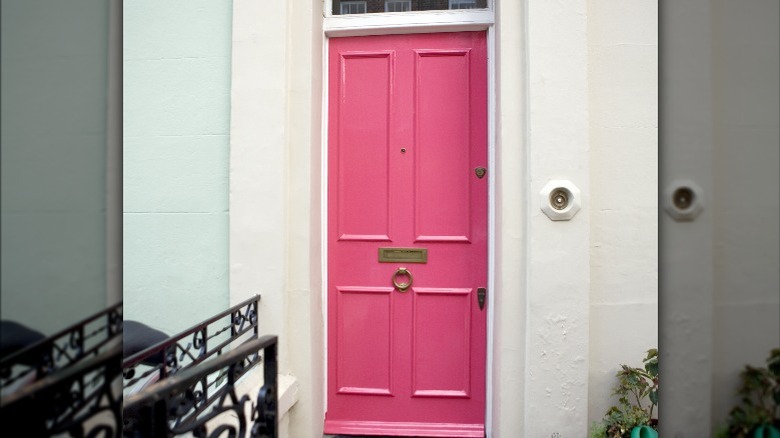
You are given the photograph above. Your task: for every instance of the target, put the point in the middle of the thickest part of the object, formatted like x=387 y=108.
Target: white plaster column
x=258 y=140
x=508 y=403
x=275 y=196
x=557 y=285
x=304 y=311
x=686 y=284
x=542 y=267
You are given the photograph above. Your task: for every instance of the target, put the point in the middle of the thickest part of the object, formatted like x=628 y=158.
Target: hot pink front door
x=407 y=150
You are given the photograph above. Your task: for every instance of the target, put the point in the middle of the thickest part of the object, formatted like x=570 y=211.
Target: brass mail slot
x=406 y=255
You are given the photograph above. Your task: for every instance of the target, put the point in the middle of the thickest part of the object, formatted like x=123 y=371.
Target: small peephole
x=683 y=198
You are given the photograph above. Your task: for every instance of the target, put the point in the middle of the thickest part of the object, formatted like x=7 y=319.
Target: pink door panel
x=407 y=129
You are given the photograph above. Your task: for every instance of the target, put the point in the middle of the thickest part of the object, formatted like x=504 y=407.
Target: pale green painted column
x=176 y=150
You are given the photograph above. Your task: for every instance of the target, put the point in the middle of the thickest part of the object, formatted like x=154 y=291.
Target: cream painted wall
x=259 y=166
x=623 y=98
x=176 y=115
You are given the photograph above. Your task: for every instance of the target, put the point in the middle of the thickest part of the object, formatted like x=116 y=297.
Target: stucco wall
x=54 y=60
x=720 y=112
x=176 y=148
x=746 y=193
x=623 y=99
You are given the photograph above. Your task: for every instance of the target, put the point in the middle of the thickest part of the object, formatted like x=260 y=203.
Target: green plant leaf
x=653 y=396
x=652 y=367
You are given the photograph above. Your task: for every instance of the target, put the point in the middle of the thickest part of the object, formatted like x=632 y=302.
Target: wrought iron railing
x=68 y=383
x=186 y=403
x=62 y=349
x=196 y=344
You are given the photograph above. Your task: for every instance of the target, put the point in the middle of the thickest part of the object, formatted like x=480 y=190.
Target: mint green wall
x=53 y=73
x=176 y=111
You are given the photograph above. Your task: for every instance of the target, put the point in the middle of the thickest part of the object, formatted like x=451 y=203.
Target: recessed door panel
x=407 y=234
x=441 y=342
x=442 y=91
x=365 y=336
x=363 y=165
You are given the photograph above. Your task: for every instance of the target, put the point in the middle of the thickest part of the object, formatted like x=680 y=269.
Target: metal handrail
x=243 y=319
x=181 y=404
x=64 y=348
x=70 y=398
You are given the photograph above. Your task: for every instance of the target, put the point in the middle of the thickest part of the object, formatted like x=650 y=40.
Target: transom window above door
x=398 y=5
x=463 y=4
x=348 y=7
x=351 y=7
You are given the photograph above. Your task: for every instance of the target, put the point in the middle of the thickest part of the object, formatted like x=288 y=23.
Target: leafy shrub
x=635 y=387
x=760 y=396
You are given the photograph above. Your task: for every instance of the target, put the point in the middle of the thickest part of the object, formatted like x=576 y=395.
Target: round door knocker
x=402 y=286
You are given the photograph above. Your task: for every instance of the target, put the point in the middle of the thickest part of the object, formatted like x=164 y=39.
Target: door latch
x=481 y=292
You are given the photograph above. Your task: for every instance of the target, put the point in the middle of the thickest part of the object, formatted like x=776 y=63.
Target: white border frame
x=394 y=23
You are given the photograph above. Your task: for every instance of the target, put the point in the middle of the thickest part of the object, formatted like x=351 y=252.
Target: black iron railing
x=68 y=383
x=62 y=349
x=186 y=403
x=196 y=344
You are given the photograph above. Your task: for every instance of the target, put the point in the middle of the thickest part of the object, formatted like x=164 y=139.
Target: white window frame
x=351 y=3
x=383 y=23
x=406 y=5
x=461 y=2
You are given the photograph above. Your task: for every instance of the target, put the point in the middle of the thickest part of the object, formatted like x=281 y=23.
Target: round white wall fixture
x=683 y=200
x=560 y=199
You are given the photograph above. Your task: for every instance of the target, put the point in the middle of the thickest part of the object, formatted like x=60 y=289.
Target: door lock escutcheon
x=481 y=294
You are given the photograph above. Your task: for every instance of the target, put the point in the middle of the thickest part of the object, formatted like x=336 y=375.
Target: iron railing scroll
x=194 y=345
x=185 y=403
x=67 y=384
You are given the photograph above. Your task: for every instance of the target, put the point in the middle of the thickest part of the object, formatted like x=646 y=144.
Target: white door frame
x=408 y=23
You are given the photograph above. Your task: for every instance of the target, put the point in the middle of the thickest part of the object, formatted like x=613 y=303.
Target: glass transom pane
x=344 y=7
